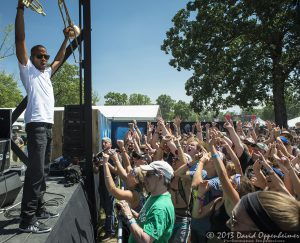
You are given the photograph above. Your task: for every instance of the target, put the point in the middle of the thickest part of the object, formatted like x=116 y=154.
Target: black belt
x=39 y=124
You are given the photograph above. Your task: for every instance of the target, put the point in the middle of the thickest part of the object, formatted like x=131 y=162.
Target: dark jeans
x=181 y=230
x=107 y=202
x=39 y=138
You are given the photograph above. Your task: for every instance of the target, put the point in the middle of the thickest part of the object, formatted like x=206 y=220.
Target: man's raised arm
x=61 y=53
x=21 y=50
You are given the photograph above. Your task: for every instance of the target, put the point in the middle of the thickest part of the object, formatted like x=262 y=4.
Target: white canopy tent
x=130 y=112
x=292 y=122
x=260 y=121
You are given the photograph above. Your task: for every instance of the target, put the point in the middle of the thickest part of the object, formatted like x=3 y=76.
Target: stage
x=73 y=225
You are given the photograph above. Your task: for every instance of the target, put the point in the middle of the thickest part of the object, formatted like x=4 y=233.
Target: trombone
x=34 y=5
x=75 y=30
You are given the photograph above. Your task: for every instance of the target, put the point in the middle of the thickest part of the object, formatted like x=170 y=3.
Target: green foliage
x=66 y=86
x=139 y=99
x=10 y=94
x=241 y=52
x=211 y=116
x=6 y=42
x=185 y=111
x=113 y=98
x=166 y=104
x=292 y=105
x=95 y=98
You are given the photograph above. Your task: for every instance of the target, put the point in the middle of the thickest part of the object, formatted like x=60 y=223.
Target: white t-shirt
x=40 y=100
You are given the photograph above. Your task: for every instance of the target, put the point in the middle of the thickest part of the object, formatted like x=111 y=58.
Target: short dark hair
x=35 y=48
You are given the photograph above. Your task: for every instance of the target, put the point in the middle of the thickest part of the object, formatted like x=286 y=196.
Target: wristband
x=131 y=221
x=215 y=156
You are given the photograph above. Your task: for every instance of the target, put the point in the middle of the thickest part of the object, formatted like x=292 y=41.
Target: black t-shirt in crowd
x=245 y=160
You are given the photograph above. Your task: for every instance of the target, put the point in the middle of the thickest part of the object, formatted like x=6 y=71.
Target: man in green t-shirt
x=156 y=219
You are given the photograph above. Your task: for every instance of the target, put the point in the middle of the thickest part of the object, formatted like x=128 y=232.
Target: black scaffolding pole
x=87 y=66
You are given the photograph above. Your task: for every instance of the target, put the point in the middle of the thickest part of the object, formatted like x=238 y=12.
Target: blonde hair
x=284 y=210
x=230 y=168
x=200 y=144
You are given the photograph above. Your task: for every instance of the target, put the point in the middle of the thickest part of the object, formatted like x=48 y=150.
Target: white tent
x=130 y=112
x=292 y=122
x=260 y=121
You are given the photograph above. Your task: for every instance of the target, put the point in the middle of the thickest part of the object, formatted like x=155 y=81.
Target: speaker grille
x=73 y=133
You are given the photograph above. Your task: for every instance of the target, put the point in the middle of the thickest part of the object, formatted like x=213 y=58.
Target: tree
x=113 y=98
x=166 y=104
x=10 y=94
x=66 y=86
x=95 y=98
x=6 y=44
x=241 y=52
x=139 y=99
x=292 y=104
x=185 y=111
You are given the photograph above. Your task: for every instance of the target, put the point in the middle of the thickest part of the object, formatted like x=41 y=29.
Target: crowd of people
x=204 y=186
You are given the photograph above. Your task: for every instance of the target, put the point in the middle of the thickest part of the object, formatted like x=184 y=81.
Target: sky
x=126 y=40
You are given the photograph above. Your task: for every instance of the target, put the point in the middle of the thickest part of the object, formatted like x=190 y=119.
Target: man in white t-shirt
x=35 y=74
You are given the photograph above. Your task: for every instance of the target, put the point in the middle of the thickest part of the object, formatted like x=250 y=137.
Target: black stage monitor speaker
x=73 y=133
x=4 y=154
x=10 y=186
x=5 y=123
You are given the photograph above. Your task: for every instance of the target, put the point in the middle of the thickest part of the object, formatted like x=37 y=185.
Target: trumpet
x=75 y=30
x=34 y=5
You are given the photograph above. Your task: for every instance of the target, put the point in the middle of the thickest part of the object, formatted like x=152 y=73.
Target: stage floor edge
x=74 y=223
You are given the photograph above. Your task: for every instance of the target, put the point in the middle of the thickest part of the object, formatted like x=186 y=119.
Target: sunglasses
x=151 y=174
x=41 y=56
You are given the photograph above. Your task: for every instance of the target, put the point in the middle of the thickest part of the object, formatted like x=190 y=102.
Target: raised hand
x=207 y=126
x=160 y=122
x=198 y=156
x=149 y=127
x=131 y=126
x=177 y=121
x=105 y=158
x=227 y=125
x=112 y=154
x=269 y=125
x=120 y=143
x=199 y=127
x=257 y=165
x=214 y=124
x=239 y=126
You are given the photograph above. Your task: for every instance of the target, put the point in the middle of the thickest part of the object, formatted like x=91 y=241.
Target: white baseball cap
x=163 y=167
